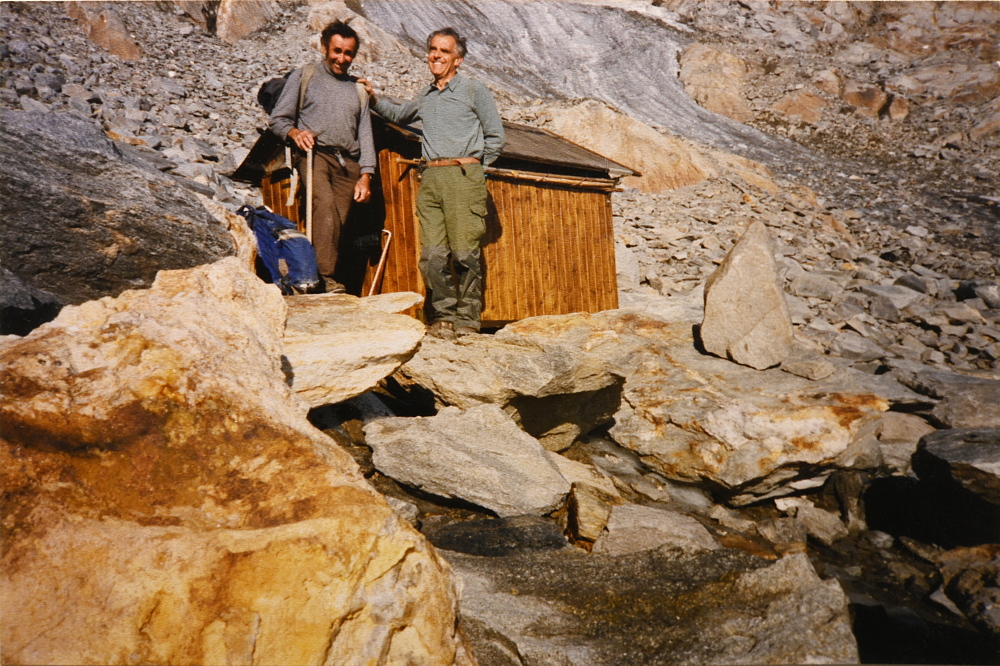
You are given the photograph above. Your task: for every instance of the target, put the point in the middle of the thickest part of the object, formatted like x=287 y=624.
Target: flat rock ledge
x=478 y=455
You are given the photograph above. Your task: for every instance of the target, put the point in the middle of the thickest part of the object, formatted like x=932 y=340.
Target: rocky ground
x=885 y=244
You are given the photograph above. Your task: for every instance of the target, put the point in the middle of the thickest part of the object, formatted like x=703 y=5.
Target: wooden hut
x=549 y=247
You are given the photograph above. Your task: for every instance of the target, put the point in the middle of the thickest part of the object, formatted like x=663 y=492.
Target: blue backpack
x=278 y=238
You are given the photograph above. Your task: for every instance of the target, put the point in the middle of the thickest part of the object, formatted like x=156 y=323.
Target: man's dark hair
x=342 y=29
x=449 y=32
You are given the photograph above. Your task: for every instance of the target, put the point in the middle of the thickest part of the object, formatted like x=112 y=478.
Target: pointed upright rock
x=746 y=318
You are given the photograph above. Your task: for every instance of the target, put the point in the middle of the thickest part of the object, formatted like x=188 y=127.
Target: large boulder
x=478 y=455
x=746 y=317
x=714 y=79
x=555 y=395
x=236 y=19
x=694 y=417
x=632 y=528
x=83 y=219
x=338 y=346
x=167 y=501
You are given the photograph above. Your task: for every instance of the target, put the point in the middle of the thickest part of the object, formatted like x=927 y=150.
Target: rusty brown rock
x=802 y=104
x=867 y=101
x=714 y=79
x=105 y=28
x=167 y=501
x=236 y=19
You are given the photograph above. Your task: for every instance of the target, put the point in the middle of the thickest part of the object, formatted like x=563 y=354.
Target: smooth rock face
x=555 y=395
x=746 y=318
x=972 y=456
x=479 y=455
x=691 y=416
x=169 y=502
x=632 y=528
x=714 y=79
x=337 y=346
x=82 y=221
x=665 y=163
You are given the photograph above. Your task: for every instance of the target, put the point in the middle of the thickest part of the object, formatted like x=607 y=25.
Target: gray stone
x=479 y=455
x=916 y=283
x=811 y=285
x=632 y=528
x=746 y=318
x=854 y=347
x=23 y=307
x=82 y=219
x=990 y=293
x=899 y=438
x=972 y=456
x=820 y=524
x=900 y=296
x=965 y=401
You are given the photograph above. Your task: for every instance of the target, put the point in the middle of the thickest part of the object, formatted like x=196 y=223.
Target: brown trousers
x=333 y=194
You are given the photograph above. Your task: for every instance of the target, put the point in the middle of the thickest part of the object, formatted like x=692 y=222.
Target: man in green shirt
x=462 y=133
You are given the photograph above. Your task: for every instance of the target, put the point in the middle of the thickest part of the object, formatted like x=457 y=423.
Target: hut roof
x=526 y=145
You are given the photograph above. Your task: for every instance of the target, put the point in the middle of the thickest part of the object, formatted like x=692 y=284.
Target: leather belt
x=452 y=161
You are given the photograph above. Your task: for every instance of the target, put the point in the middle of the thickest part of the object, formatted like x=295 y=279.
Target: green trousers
x=451 y=205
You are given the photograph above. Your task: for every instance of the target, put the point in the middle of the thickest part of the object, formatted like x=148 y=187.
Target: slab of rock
x=632 y=528
x=555 y=395
x=716 y=607
x=83 y=220
x=479 y=455
x=746 y=318
x=168 y=501
x=822 y=525
x=337 y=346
x=898 y=295
x=965 y=401
x=589 y=510
x=972 y=457
x=811 y=285
x=695 y=417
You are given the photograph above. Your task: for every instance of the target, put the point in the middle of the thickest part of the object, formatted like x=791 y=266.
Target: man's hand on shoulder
x=368 y=89
x=304 y=139
x=363 y=189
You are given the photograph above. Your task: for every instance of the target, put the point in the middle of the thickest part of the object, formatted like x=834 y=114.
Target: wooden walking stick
x=381 y=262
x=309 y=195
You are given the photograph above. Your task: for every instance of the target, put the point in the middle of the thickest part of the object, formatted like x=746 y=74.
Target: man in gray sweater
x=333 y=120
x=462 y=134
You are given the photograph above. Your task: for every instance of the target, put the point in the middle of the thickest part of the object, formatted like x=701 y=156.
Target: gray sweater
x=332 y=111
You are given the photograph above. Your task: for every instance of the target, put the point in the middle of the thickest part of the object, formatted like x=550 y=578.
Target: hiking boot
x=331 y=286
x=443 y=330
x=462 y=331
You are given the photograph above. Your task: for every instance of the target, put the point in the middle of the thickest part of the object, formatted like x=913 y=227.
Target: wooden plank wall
x=549 y=249
x=274 y=190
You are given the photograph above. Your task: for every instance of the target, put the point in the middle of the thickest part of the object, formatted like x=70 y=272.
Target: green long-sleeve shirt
x=460 y=120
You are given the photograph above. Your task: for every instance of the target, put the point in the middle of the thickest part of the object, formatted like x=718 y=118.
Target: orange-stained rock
x=802 y=104
x=899 y=108
x=828 y=81
x=866 y=100
x=714 y=79
x=236 y=19
x=166 y=500
x=105 y=28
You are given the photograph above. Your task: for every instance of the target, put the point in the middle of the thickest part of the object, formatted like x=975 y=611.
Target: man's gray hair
x=449 y=32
